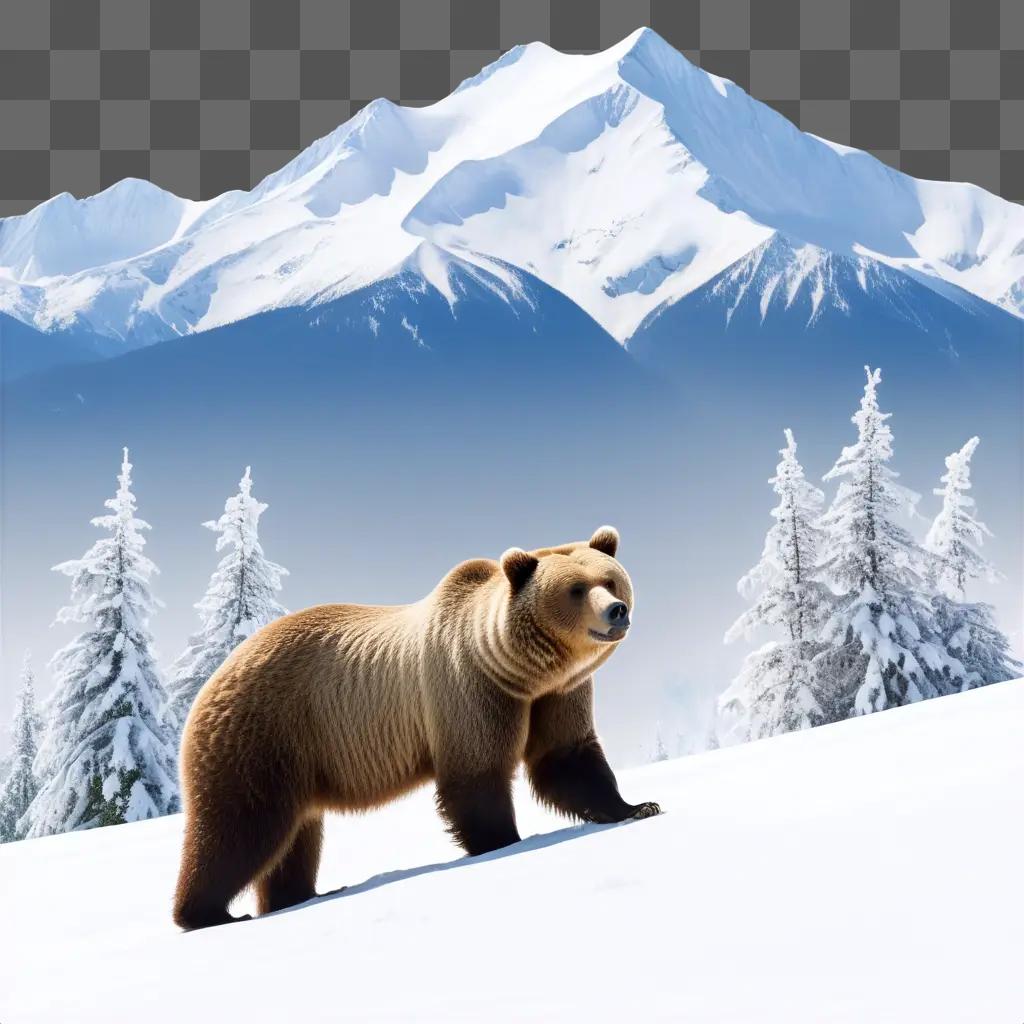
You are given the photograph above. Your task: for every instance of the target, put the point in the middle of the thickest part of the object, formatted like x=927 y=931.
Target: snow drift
x=861 y=871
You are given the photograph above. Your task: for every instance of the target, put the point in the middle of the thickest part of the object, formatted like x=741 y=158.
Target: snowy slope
x=780 y=276
x=626 y=179
x=865 y=871
x=784 y=288
x=23 y=350
x=438 y=321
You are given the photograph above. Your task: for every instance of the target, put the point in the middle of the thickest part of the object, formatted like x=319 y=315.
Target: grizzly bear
x=345 y=707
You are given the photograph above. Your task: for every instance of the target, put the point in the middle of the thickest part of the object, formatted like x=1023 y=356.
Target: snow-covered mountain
x=427 y=333
x=782 y=277
x=625 y=179
x=771 y=889
x=797 y=294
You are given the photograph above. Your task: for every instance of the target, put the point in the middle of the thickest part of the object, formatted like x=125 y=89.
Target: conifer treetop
x=238 y=525
x=867 y=547
x=785 y=573
x=956 y=534
x=27 y=723
x=874 y=437
x=126 y=588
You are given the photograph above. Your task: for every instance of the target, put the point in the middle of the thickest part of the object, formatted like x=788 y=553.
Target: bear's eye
x=577 y=590
x=610 y=586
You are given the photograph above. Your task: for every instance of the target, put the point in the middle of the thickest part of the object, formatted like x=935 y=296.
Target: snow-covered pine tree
x=106 y=756
x=775 y=689
x=27 y=694
x=956 y=534
x=885 y=648
x=21 y=785
x=239 y=600
x=968 y=628
x=659 y=753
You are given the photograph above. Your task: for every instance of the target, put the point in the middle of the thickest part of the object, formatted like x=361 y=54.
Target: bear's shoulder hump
x=472 y=573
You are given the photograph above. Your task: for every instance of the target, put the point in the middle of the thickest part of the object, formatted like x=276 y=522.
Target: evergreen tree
x=660 y=753
x=775 y=689
x=884 y=646
x=239 y=600
x=956 y=534
x=968 y=628
x=21 y=785
x=106 y=756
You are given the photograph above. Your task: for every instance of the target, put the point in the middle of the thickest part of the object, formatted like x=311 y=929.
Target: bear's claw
x=648 y=809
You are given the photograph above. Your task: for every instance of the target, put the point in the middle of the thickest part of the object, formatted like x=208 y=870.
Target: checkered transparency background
x=201 y=97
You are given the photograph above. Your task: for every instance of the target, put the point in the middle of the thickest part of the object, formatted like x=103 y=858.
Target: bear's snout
x=613 y=618
x=617 y=614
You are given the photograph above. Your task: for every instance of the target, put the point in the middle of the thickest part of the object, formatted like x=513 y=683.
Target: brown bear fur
x=345 y=707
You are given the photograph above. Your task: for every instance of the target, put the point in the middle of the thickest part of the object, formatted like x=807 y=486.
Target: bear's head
x=579 y=595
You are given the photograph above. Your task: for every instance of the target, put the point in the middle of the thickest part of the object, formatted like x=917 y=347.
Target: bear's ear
x=518 y=566
x=605 y=540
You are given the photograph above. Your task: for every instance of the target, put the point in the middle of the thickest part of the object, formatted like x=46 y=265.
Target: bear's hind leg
x=223 y=853
x=293 y=879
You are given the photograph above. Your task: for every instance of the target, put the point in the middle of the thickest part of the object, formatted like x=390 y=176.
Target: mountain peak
x=450 y=273
x=785 y=276
x=66 y=235
x=645 y=46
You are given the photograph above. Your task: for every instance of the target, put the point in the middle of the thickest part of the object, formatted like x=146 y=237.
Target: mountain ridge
x=781 y=270
x=626 y=179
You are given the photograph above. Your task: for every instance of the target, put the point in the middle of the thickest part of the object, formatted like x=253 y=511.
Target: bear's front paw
x=645 y=810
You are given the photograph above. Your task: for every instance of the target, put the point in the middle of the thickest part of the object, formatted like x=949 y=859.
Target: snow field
x=864 y=871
